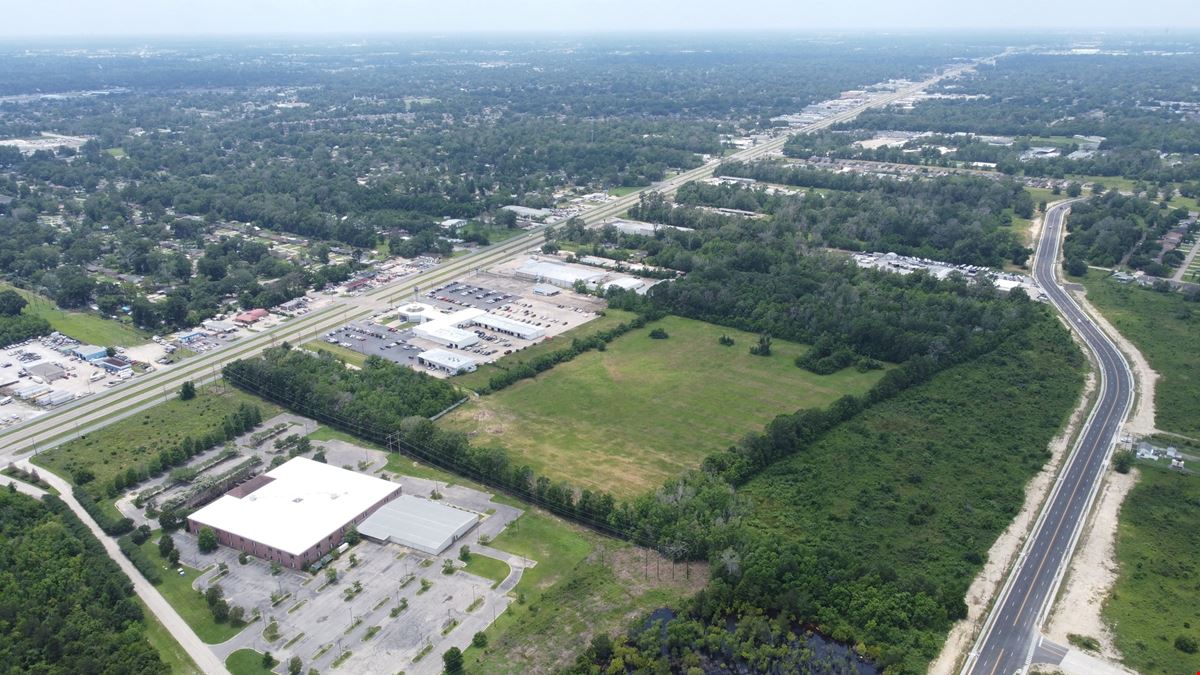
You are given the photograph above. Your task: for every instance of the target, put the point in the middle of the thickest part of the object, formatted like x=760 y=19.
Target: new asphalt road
x=1010 y=634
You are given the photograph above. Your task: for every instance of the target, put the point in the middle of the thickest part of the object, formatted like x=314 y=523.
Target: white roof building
x=295 y=511
x=418 y=523
x=510 y=326
x=448 y=361
x=559 y=274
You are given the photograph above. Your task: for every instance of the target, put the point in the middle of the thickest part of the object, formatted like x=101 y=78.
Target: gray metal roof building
x=418 y=523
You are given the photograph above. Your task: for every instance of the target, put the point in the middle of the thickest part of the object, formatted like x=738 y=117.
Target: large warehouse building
x=418 y=523
x=295 y=513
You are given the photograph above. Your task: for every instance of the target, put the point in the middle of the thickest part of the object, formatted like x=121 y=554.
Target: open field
x=495 y=235
x=1156 y=599
x=624 y=190
x=583 y=584
x=85 y=327
x=136 y=439
x=906 y=499
x=348 y=355
x=479 y=379
x=165 y=644
x=177 y=589
x=1164 y=327
x=643 y=410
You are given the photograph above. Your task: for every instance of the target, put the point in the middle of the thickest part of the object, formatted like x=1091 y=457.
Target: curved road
x=1010 y=634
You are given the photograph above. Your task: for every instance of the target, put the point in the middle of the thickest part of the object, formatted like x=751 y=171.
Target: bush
x=1123 y=461
x=138 y=557
x=1186 y=644
x=725 y=341
x=658 y=334
x=479 y=640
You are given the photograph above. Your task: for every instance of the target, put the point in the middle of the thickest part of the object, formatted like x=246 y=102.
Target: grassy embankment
x=86 y=327
x=642 y=411
x=347 y=355
x=1156 y=599
x=915 y=490
x=1164 y=327
x=165 y=644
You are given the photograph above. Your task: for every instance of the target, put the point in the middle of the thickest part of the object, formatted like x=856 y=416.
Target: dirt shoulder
x=1141 y=418
x=1093 y=571
x=1004 y=551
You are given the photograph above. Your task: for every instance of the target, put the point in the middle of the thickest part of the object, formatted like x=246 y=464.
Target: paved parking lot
x=317 y=623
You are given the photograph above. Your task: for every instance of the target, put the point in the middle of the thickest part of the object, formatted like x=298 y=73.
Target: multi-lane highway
x=1010 y=634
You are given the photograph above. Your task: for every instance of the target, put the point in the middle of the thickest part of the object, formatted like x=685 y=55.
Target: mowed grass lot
x=86 y=327
x=140 y=437
x=1166 y=329
x=1156 y=598
x=627 y=418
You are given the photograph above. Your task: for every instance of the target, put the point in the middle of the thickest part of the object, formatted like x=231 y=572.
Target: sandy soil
x=1093 y=570
x=1141 y=418
x=1002 y=554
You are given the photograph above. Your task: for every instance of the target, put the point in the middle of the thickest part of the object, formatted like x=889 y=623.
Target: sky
x=30 y=18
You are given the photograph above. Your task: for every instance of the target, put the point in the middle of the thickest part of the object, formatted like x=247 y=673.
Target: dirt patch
x=641 y=569
x=1004 y=552
x=1093 y=570
x=1141 y=418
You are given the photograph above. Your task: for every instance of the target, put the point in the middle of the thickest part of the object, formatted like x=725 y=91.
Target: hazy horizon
x=219 y=18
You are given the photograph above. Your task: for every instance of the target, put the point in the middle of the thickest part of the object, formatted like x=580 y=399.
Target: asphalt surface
x=1010 y=635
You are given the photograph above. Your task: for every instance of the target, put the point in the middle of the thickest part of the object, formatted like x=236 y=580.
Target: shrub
x=658 y=334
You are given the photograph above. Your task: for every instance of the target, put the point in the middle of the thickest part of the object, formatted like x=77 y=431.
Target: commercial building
x=450 y=330
x=115 y=365
x=90 y=352
x=47 y=371
x=252 y=316
x=295 y=513
x=641 y=228
x=558 y=274
x=419 y=312
x=446 y=361
x=417 y=523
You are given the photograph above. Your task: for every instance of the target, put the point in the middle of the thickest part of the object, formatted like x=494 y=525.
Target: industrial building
x=295 y=513
x=449 y=362
x=641 y=228
x=558 y=274
x=90 y=352
x=421 y=524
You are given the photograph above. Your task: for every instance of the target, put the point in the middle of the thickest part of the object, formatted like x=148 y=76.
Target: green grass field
x=495 y=235
x=583 y=584
x=488 y=568
x=83 y=326
x=626 y=419
x=119 y=153
x=1165 y=328
x=479 y=379
x=347 y=355
x=625 y=190
x=177 y=590
x=165 y=644
x=136 y=439
x=246 y=662
x=1156 y=598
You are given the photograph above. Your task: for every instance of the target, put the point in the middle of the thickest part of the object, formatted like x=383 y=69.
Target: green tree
x=452 y=660
x=11 y=303
x=352 y=536
x=464 y=553
x=188 y=391
x=207 y=540
x=479 y=640
x=1123 y=461
x=165 y=545
x=295 y=665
